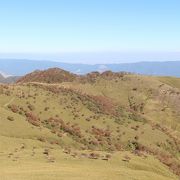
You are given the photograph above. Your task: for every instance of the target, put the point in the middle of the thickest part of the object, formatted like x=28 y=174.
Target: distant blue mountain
x=21 y=67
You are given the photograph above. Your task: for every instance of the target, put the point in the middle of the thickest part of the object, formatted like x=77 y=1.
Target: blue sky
x=90 y=30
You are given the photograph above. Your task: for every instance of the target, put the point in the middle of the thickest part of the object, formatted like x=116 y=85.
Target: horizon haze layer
x=96 y=57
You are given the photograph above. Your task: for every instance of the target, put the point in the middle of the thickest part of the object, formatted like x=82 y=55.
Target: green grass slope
x=109 y=126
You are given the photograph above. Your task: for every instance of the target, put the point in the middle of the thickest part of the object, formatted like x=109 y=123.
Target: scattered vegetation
x=93 y=117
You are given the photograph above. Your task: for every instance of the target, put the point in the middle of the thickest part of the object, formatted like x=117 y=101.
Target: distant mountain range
x=17 y=67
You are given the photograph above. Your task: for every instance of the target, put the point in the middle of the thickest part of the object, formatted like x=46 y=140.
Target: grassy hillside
x=108 y=126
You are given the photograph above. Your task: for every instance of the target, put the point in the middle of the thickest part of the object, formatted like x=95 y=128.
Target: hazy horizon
x=96 y=58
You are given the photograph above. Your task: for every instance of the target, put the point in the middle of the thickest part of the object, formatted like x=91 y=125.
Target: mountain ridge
x=58 y=75
x=22 y=67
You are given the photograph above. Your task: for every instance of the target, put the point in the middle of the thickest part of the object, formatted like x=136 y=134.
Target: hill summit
x=52 y=75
